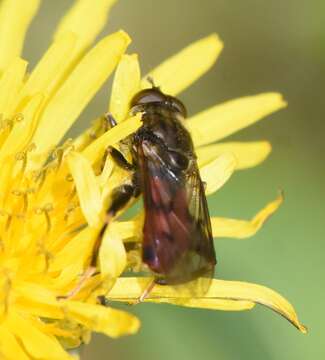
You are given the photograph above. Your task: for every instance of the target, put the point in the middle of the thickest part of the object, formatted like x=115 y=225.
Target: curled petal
x=240 y=229
x=181 y=70
x=15 y=17
x=130 y=289
x=87 y=187
x=225 y=119
x=216 y=173
x=247 y=154
x=111 y=322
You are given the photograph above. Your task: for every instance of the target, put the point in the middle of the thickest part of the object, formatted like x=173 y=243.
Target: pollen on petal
x=22 y=132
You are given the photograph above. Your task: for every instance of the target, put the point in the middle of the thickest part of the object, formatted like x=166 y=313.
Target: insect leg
x=119 y=159
x=111 y=122
x=91 y=270
x=146 y=292
x=120 y=197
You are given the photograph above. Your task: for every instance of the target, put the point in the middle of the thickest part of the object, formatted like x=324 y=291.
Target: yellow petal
x=212 y=304
x=129 y=289
x=112 y=254
x=37 y=343
x=111 y=322
x=126 y=229
x=247 y=154
x=15 y=17
x=10 y=84
x=181 y=70
x=221 y=227
x=96 y=149
x=51 y=68
x=126 y=84
x=87 y=187
x=223 y=120
x=23 y=130
x=10 y=347
x=36 y=299
x=240 y=229
x=76 y=251
x=78 y=90
x=216 y=173
x=86 y=19
x=106 y=172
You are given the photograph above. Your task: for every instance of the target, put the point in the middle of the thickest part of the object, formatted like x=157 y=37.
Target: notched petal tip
x=125 y=36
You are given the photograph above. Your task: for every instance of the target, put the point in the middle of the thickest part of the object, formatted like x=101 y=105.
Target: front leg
x=121 y=196
x=119 y=159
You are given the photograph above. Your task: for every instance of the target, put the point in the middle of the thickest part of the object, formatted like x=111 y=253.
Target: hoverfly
x=177 y=241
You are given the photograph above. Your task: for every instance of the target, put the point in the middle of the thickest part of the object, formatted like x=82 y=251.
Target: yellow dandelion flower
x=53 y=197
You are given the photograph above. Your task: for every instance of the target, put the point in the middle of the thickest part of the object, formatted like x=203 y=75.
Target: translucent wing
x=177 y=243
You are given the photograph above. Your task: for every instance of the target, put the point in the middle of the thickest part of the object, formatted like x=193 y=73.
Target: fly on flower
x=177 y=237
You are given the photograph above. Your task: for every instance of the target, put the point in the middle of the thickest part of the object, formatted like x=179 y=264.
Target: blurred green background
x=269 y=46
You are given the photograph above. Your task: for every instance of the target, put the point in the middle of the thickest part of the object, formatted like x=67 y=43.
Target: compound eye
x=178 y=105
x=147 y=96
